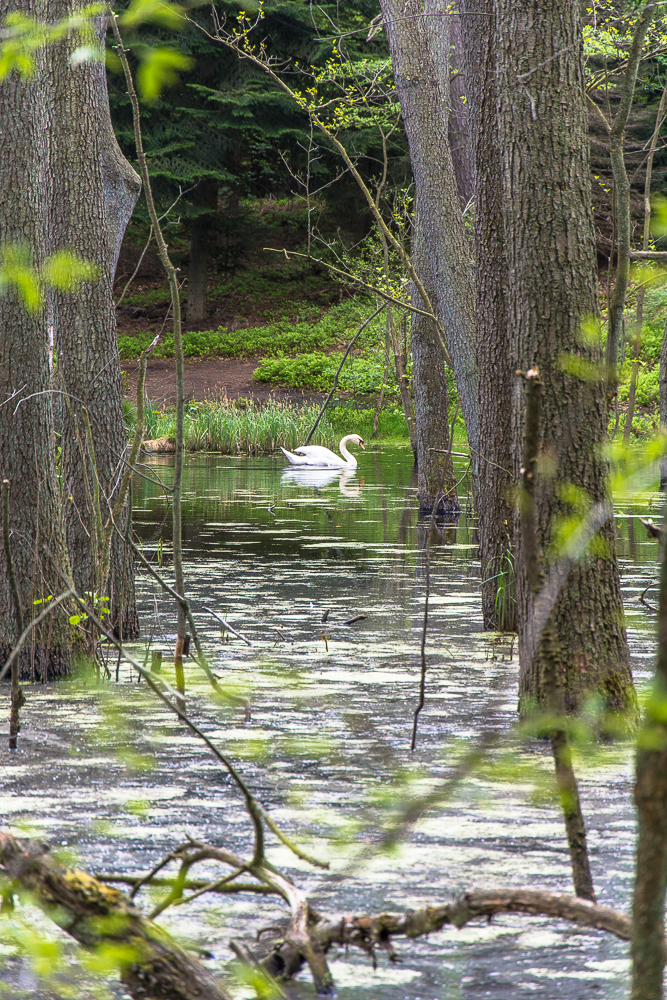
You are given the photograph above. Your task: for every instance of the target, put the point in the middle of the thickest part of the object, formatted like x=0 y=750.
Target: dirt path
x=208 y=380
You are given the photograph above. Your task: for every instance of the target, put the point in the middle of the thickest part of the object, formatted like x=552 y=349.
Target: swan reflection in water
x=317 y=478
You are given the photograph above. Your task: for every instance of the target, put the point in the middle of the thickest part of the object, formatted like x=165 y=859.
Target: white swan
x=316 y=457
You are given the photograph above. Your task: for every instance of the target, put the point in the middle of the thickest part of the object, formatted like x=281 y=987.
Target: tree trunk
x=425 y=116
x=648 y=905
x=496 y=376
x=87 y=168
x=460 y=140
x=622 y=194
x=27 y=439
x=662 y=380
x=436 y=482
x=400 y=351
x=549 y=239
x=207 y=203
x=445 y=39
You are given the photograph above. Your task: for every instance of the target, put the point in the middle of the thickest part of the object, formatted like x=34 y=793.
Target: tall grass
x=246 y=428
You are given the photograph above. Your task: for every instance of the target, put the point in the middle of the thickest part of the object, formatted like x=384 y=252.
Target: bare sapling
x=17 y=699
x=339 y=370
x=442 y=492
x=174 y=291
x=552 y=667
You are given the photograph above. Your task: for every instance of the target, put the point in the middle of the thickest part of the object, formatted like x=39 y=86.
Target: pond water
x=107 y=773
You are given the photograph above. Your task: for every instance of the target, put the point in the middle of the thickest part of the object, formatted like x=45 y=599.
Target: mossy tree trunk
x=92 y=191
x=552 y=312
x=27 y=439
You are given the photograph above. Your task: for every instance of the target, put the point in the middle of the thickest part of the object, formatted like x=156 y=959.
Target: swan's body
x=316 y=457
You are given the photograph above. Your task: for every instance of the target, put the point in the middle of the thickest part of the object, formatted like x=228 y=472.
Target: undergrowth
x=240 y=427
x=307 y=332
x=316 y=370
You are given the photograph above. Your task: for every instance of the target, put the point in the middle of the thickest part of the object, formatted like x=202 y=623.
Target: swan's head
x=355 y=439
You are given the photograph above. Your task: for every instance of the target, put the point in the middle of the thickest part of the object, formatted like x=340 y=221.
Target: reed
x=243 y=427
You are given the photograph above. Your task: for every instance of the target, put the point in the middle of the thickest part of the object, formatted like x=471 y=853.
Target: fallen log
x=155 y=966
x=281 y=960
x=362 y=930
x=158 y=968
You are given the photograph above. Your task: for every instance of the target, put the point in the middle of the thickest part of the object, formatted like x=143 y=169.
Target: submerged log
x=155 y=967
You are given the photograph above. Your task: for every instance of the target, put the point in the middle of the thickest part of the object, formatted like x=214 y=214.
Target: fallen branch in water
x=446 y=451
x=357 y=618
x=363 y=930
x=280 y=960
x=228 y=626
x=159 y=967
x=642 y=597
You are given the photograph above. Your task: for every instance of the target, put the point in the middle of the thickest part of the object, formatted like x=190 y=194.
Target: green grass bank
x=247 y=428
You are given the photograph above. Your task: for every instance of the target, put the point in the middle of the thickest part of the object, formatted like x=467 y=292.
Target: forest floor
x=256 y=290
x=209 y=378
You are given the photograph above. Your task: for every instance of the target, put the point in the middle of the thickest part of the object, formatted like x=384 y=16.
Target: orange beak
x=362 y=446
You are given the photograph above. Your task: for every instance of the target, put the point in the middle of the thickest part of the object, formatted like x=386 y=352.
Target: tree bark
x=542 y=129
x=622 y=194
x=460 y=140
x=27 y=439
x=151 y=963
x=92 y=192
x=648 y=905
x=496 y=376
x=207 y=202
x=436 y=482
x=662 y=381
x=445 y=38
x=425 y=116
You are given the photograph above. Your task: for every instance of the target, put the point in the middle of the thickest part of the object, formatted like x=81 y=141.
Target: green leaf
x=23 y=35
x=159 y=68
x=16 y=271
x=169 y=15
x=66 y=271
x=580 y=368
x=15 y=59
x=659 y=216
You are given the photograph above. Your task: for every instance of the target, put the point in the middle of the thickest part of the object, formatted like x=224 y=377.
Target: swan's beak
x=362 y=446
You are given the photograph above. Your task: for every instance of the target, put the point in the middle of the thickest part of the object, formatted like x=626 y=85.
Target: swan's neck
x=350 y=459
